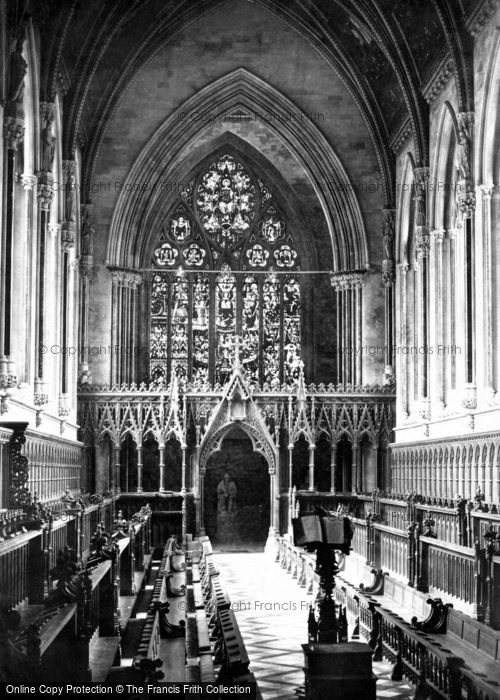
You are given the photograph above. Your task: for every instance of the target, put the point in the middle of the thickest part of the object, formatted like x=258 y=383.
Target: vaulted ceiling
x=387 y=53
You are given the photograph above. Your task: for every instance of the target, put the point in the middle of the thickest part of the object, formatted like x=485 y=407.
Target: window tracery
x=223 y=267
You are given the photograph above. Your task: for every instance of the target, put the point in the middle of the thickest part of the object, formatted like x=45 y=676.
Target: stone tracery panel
x=214 y=279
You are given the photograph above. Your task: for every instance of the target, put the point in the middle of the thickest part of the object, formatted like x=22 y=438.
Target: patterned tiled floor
x=272 y=614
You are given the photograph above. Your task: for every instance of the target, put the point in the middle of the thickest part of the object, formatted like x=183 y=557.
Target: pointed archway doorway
x=237 y=494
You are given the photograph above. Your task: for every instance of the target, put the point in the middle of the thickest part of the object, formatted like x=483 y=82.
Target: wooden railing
x=456 y=572
x=391 y=551
x=423 y=658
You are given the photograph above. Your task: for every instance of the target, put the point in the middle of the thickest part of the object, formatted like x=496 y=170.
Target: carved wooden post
x=333 y=466
x=127 y=567
x=375 y=629
x=311 y=466
x=492 y=541
x=47 y=545
x=183 y=492
x=397 y=671
x=410 y=555
x=116 y=452
x=355 y=480
x=139 y=467
x=161 y=449
x=477 y=590
x=83 y=673
x=462 y=526
x=369 y=541
x=421 y=690
x=454 y=663
x=115 y=584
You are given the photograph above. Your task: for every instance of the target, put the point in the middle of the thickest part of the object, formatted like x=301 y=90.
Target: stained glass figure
x=249 y=352
x=194 y=255
x=179 y=323
x=291 y=329
x=166 y=254
x=257 y=256
x=158 y=344
x=271 y=327
x=271 y=229
x=201 y=319
x=180 y=228
x=226 y=201
x=225 y=321
x=285 y=256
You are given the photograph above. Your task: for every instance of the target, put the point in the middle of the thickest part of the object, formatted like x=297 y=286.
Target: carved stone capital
x=438 y=234
x=116 y=277
x=469 y=397
x=403 y=268
x=422 y=246
x=54 y=229
x=342 y=281
x=63 y=406
x=486 y=191
x=87 y=267
x=45 y=190
x=388 y=273
x=68 y=167
x=29 y=181
x=133 y=280
x=13 y=132
x=467 y=203
x=40 y=395
x=68 y=235
x=130 y=279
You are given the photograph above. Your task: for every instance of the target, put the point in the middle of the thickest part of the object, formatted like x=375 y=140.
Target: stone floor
x=271 y=610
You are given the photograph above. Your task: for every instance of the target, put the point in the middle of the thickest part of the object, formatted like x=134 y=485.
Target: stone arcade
x=249 y=269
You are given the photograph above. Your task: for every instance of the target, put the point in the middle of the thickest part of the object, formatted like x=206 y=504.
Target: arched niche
x=300 y=464
x=249 y=524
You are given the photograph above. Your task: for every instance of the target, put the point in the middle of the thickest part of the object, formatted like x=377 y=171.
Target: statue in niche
x=226 y=495
x=48 y=145
x=464 y=147
x=70 y=197
x=87 y=235
x=388 y=235
x=18 y=70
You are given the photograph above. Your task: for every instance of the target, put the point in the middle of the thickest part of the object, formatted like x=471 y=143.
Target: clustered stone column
x=124 y=305
x=466 y=202
x=86 y=277
x=388 y=277
x=68 y=240
x=13 y=134
x=422 y=269
x=486 y=368
x=348 y=293
x=403 y=341
x=45 y=196
x=436 y=330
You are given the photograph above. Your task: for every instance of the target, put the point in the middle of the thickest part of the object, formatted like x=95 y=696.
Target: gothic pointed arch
x=237 y=407
x=244 y=94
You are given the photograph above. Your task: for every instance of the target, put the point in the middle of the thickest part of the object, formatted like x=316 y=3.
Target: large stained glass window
x=225 y=266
